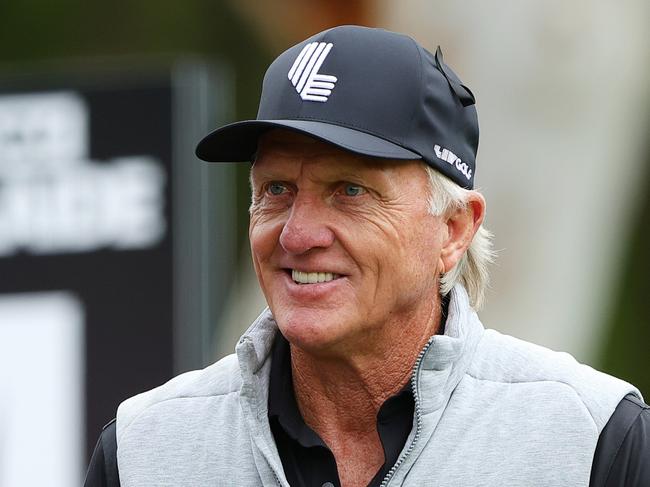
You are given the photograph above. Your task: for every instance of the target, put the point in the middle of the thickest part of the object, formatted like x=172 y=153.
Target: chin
x=310 y=330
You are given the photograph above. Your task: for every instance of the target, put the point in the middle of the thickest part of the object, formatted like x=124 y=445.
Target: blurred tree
x=626 y=343
x=285 y=22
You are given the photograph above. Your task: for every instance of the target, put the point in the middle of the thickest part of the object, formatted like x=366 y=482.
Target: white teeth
x=312 y=277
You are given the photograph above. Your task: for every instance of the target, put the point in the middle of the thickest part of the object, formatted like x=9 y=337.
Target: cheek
x=263 y=236
x=397 y=248
x=422 y=251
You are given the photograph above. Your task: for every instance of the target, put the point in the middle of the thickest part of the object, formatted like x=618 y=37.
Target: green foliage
x=39 y=30
x=626 y=345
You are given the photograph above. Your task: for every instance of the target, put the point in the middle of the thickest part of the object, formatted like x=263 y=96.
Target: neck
x=339 y=395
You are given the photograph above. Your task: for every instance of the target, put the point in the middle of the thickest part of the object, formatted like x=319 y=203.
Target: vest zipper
x=418 y=415
x=277 y=479
x=275 y=474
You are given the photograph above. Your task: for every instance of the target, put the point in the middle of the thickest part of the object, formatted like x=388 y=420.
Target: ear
x=462 y=224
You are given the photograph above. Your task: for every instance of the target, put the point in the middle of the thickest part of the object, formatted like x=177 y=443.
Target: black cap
x=369 y=91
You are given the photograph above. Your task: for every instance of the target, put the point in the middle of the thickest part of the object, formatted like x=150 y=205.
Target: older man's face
x=343 y=245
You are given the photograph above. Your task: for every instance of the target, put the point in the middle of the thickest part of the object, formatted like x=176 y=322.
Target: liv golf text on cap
x=368 y=91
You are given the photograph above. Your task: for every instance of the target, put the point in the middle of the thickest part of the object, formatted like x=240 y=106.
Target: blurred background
x=124 y=260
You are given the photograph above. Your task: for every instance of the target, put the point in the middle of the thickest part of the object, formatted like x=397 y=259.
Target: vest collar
x=447 y=357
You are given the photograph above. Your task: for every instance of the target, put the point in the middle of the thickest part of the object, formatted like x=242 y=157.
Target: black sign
x=85 y=210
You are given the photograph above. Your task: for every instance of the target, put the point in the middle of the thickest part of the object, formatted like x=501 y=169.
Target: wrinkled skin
x=318 y=208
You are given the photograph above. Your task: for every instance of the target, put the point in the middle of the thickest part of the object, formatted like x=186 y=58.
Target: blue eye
x=276 y=188
x=353 y=190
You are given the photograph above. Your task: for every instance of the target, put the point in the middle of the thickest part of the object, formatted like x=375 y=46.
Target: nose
x=306 y=228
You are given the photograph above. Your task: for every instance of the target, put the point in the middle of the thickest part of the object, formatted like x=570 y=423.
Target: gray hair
x=472 y=269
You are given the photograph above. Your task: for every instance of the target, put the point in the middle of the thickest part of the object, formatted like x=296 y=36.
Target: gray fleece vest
x=490 y=410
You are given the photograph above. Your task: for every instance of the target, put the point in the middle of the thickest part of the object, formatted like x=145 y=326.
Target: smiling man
x=370 y=365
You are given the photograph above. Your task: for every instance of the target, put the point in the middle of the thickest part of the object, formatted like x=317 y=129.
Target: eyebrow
x=355 y=170
x=369 y=179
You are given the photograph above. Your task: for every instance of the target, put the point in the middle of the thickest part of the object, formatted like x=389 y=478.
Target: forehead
x=282 y=150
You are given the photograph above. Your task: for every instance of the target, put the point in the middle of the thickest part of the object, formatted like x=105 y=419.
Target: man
x=370 y=366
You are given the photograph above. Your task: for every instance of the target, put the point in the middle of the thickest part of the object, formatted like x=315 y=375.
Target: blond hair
x=472 y=269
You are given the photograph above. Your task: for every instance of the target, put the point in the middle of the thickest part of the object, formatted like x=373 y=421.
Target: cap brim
x=237 y=142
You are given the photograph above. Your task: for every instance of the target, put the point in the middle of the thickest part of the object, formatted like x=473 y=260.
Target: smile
x=300 y=277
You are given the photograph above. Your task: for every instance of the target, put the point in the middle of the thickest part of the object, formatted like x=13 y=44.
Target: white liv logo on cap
x=304 y=74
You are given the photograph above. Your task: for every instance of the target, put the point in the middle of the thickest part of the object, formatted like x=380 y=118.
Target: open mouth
x=300 y=277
